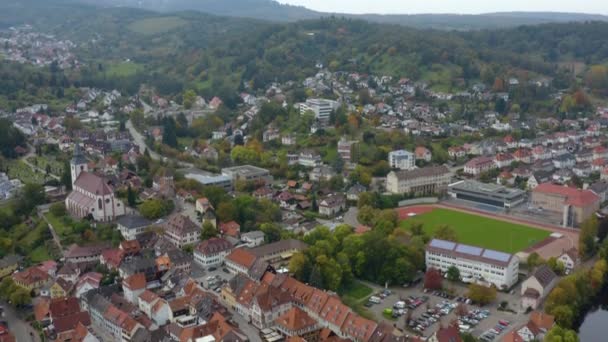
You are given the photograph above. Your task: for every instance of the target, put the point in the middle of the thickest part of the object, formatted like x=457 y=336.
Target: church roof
x=92 y=183
x=78 y=157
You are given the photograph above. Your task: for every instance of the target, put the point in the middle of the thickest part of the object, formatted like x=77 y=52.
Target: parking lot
x=425 y=311
x=210 y=279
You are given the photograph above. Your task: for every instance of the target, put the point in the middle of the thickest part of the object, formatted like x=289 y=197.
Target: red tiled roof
x=213 y=245
x=31 y=276
x=295 y=319
x=136 y=281
x=243 y=257
x=63 y=307
x=573 y=196
x=70 y=322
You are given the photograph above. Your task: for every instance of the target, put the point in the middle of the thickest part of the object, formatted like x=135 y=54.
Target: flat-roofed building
x=247 y=173
x=498 y=268
x=402 y=160
x=422 y=181
x=490 y=194
x=209 y=179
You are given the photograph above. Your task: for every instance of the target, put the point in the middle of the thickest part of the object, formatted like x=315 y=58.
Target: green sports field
x=480 y=231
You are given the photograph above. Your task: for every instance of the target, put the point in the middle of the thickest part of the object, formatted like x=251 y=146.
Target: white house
x=537 y=287
x=253 y=238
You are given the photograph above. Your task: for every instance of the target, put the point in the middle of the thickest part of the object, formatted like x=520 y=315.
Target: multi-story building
x=345 y=149
x=401 y=159
x=427 y=180
x=479 y=165
x=475 y=263
x=131 y=226
x=322 y=108
x=309 y=158
x=181 y=231
x=212 y=252
x=573 y=204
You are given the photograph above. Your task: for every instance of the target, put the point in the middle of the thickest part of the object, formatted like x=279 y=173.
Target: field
x=358 y=291
x=480 y=231
x=151 y=26
x=124 y=69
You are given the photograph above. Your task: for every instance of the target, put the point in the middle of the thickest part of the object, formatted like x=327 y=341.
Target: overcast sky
x=452 y=6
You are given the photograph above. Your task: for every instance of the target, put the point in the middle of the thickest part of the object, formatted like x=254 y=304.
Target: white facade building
x=211 y=253
x=321 y=107
x=402 y=159
x=498 y=268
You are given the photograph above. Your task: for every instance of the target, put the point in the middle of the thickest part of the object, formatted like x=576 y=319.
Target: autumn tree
x=445 y=232
x=433 y=279
x=481 y=294
x=587 y=235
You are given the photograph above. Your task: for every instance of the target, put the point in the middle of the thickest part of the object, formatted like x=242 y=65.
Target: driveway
x=22 y=330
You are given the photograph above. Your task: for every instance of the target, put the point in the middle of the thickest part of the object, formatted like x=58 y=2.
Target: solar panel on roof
x=442 y=244
x=471 y=250
x=496 y=255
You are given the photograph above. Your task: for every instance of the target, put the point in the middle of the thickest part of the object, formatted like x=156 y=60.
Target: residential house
x=423 y=153
x=31 y=279
x=503 y=160
x=354 y=191
x=253 y=239
x=537 y=287
x=61 y=288
x=322 y=172
x=133 y=286
x=309 y=158
x=132 y=225
x=570 y=259
x=332 y=205
x=564 y=161
x=537 y=178
x=600 y=189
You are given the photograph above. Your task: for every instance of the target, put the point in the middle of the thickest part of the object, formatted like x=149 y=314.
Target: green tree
x=31 y=196
x=20 y=297
x=155 y=208
x=189 y=97
x=272 y=232
x=208 y=231
x=131 y=197
x=58 y=209
x=534 y=260
x=559 y=334
x=66 y=177
x=453 y=273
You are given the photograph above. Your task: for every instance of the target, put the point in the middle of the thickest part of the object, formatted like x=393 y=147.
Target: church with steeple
x=92 y=196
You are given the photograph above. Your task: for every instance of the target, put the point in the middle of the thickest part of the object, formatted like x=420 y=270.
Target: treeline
x=383 y=255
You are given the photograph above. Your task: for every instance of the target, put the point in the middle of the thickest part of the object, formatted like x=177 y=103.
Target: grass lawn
x=40 y=254
x=358 y=291
x=480 y=231
x=42 y=162
x=60 y=227
x=158 y=25
x=124 y=69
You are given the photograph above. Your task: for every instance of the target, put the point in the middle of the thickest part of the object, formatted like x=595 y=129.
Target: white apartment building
x=475 y=263
x=423 y=181
x=402 y=160
x=321 y=107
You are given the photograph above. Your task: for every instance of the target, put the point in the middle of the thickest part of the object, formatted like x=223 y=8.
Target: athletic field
x=473 y=229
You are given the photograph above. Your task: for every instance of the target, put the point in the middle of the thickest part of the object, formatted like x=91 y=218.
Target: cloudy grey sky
x=452 y=6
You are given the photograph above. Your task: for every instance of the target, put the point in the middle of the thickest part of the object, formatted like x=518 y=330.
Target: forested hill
x=273 y=11
x=217 y=54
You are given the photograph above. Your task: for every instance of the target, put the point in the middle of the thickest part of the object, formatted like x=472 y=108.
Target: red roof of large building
x=572 y=196
x=92 y=183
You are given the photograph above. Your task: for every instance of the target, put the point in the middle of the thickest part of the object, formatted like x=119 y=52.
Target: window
x=99 y=203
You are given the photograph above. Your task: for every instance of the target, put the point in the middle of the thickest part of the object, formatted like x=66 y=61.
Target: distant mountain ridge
x=274 y=11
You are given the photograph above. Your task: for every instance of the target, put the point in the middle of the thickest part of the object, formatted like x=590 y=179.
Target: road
x=22 y=330
x=140 y=140
x=53 y=232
